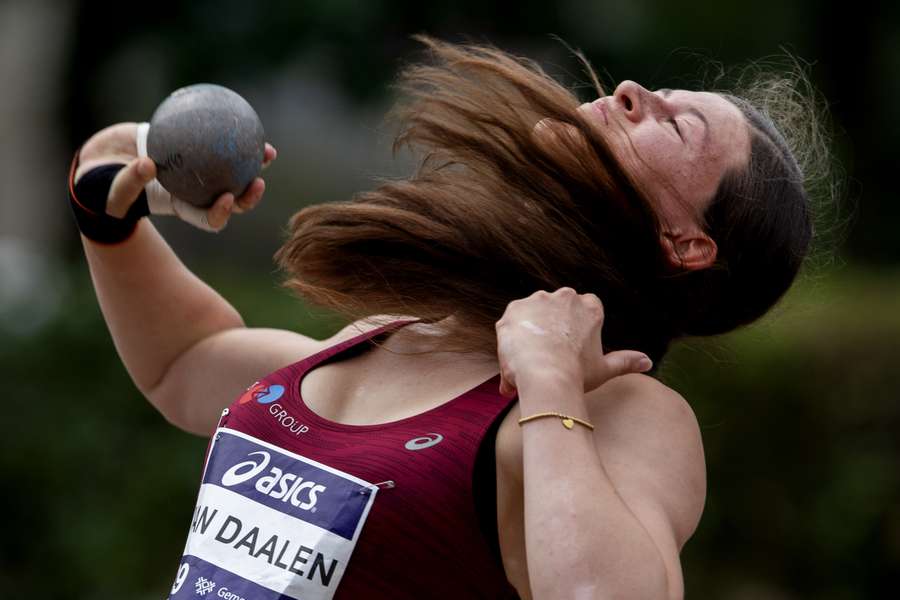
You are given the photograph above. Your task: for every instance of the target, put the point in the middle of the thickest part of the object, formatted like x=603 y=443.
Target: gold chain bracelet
x=567 y=420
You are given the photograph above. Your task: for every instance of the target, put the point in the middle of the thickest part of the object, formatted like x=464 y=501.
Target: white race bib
x=270 y=524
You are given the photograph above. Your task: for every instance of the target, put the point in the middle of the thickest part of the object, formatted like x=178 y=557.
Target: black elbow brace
x=88 y=199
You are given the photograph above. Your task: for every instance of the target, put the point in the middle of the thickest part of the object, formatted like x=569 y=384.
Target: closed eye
x=677 y=129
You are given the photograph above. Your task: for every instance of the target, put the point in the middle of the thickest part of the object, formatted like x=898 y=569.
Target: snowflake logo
x=204 y=586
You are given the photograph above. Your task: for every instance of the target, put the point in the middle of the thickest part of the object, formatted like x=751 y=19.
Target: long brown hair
x=493 y=213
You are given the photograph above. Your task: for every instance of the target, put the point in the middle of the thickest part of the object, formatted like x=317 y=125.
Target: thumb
x=127 y=185
x=507 y=389
x=622 y=362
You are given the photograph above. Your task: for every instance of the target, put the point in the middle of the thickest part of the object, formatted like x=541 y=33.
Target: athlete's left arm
x=607 y=511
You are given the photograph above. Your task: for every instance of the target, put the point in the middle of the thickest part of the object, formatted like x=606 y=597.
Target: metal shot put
x=205 y=140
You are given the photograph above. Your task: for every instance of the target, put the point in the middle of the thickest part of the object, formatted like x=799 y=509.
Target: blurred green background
x=799 y=413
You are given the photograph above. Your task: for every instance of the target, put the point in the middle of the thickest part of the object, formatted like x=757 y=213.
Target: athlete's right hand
x=118 y=144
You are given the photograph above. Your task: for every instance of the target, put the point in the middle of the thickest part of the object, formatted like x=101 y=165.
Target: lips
x=601 y=108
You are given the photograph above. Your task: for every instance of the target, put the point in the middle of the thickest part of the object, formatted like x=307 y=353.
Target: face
x=677 y=143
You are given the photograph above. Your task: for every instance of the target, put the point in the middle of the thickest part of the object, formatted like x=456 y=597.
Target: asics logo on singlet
x=287 y=487
x=426 y=441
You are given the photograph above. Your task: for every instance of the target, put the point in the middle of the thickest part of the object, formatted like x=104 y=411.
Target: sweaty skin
x=533 y=328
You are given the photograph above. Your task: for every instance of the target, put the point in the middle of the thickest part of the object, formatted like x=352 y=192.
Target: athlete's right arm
x=185 y=347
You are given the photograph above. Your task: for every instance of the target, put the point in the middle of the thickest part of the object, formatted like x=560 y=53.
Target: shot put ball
x=205 y=140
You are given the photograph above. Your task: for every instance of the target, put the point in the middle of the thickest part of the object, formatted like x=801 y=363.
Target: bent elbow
x=171 y=404
x=166 y=406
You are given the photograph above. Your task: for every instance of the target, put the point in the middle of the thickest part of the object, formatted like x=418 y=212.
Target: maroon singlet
x=422 y=537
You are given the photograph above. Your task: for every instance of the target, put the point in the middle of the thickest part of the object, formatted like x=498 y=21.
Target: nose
x=634 y=99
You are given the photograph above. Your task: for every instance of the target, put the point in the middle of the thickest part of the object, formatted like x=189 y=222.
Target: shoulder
x=271 y=349
x=221 y=366
x=637 y=394
x=360 y=327
x=649 y=440
x=642 y=403
x=279 y=347
x=363 y=325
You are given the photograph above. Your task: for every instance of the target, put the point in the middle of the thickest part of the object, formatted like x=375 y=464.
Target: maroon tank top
x=288 y=508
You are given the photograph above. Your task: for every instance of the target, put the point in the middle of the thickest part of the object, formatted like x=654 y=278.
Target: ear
x=689 y=251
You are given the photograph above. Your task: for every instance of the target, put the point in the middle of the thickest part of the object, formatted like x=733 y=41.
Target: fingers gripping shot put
x=489 y=424
x=204 y=140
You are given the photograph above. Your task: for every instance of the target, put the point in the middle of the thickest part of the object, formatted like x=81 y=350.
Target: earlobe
x=689 y=251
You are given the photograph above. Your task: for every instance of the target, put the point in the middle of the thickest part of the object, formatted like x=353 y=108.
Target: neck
x=430 y=341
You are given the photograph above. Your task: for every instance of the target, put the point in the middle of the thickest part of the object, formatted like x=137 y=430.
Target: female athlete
x=471 y=434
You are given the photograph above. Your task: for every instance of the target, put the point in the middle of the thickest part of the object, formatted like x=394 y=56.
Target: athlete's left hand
x=556 y=335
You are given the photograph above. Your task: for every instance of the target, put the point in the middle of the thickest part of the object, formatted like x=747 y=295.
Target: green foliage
x=801 y=425
x=97 y=487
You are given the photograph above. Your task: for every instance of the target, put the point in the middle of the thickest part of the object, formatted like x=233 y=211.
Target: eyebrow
x=666 y=92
